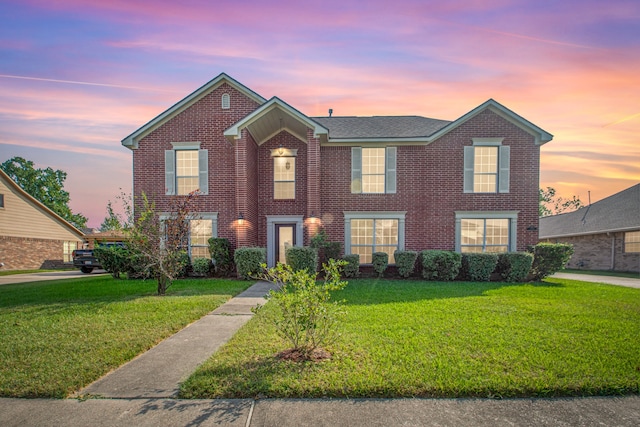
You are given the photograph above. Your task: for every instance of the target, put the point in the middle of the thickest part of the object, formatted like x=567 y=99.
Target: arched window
x=226 y=101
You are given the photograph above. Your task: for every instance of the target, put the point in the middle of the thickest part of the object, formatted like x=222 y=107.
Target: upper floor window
x=284 y=178
x=373 y=170
x=486 y=166
x=1 y=200
x=186 y=169
x=226 y=101
x=632 y=241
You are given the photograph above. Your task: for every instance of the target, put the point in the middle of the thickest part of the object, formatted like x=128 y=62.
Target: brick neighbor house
x=604 y=235
x=32 y=236
x=270 y=176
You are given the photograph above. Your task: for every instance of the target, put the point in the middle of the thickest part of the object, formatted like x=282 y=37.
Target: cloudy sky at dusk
x=77 y=76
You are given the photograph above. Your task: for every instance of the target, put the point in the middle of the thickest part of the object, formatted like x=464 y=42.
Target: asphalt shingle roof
x=380 y=126
x=618 y=212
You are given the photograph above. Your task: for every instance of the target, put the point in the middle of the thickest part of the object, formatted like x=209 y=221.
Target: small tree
x=552 y=205
x=305 y=315
x=161 y=242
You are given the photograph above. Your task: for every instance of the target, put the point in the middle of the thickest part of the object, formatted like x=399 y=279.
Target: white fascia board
x=131 y=141
x=541 y=136
x=234 y=131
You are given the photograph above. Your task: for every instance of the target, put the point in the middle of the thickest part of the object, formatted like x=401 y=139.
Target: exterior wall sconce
x=240 y=218
x=532 y=228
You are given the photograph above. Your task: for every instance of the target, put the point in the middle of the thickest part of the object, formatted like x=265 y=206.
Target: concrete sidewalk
x=591 y=411
x=142 y=393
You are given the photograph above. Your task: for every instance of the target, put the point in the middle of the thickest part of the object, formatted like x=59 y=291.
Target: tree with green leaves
x=550 y=204
x=45 y=185
x=160 y=243
x=115 y=221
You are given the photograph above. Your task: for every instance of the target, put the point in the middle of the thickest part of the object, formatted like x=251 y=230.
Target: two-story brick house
x=269 y=175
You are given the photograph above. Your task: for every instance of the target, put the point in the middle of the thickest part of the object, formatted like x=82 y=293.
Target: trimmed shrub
x=302 y=258
x=184 y=263
x=440 y=265
x=478 y=267
x=332 y=250
x=201 y=266
x=405 y=262
x=380 y=262
x=549 y=258
x=221 y=255
x=514 y=266
x=113 y=258
x=352 y=268
x=249 y=261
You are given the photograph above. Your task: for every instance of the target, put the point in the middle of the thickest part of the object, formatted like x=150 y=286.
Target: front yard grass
x=416 y=338
x=60 y=336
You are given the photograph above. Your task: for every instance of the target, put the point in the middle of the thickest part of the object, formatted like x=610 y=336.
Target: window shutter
x=170 y=172
x=356 y=169
x=468 y=169
x=203 y=165
x=390 y=164
x=503 y=178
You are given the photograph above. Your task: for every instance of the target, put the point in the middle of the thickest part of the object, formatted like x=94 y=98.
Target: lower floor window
x=200 y=231
x=478 y=232
x=67 y=250
x=367 y=233
x=632 y=241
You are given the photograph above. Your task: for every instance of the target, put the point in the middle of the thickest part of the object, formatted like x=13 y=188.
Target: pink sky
x=78 y=76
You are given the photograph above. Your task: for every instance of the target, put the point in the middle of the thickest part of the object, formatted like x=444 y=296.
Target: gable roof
x=618 y=212
x=32 y=200
x=541 y=136
x=131 y=141
x=416 y=129
x=273 y=117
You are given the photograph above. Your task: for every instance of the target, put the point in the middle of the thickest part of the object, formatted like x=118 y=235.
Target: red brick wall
x=18 y=253
x=203 y=122
x=269 y=206
x=430 y=185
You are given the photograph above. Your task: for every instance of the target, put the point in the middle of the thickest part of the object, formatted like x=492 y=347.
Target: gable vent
x=226 y=101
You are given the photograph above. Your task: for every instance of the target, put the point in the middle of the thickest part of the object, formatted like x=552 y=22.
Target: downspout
x=613 y=251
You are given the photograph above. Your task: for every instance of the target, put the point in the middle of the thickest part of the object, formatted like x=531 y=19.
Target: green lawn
x=415 y=338
x=62 y=335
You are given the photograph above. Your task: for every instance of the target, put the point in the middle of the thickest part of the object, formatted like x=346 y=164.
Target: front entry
x=283 y=231
x=285 y=238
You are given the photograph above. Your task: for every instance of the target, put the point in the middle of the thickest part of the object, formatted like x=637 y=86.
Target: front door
x=285 y=238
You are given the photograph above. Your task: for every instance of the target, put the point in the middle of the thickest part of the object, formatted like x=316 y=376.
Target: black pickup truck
x=86 y=261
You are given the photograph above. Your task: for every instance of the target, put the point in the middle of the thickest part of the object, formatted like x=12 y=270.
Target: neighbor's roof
x=619 y=212
x=39 y=205
x=380 y=126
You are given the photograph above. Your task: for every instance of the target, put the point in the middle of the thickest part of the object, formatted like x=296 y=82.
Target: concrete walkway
x=142 y=392
x=610 y=280
x=48 y=275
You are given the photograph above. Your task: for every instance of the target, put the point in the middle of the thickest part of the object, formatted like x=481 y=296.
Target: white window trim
x=225 y=101
x=503 y=173
x=213 y=216
x=170 y=167
x=624 y=239
x=512 y=216
x=390 y=169
x=348 y=216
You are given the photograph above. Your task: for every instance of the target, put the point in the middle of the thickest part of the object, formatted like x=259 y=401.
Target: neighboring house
x=605 y=235
x=269 y=175
x=32 y=236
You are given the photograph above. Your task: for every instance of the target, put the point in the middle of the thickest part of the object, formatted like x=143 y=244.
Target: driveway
x=619 y=281
x=49 y=275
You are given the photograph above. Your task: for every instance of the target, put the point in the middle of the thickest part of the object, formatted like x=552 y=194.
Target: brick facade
x=429 y=175
x=20 y=253
x=600 y=252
